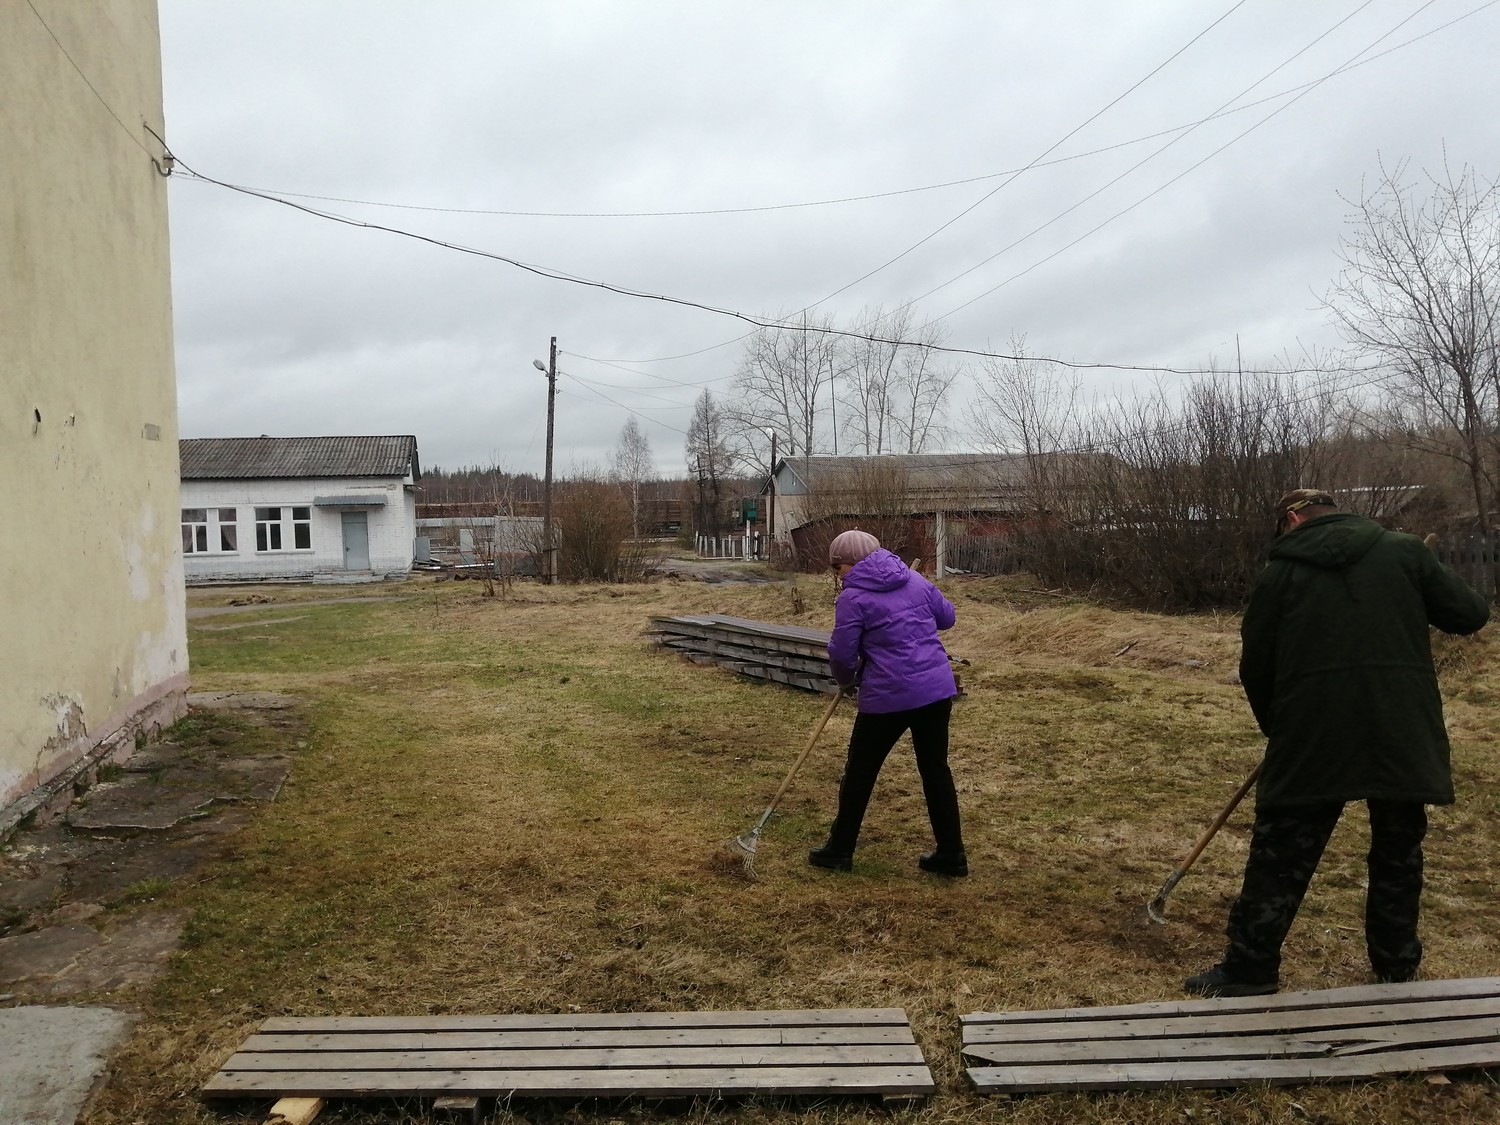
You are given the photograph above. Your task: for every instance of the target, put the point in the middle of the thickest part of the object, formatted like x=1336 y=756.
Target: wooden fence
x=981 y=554
x=1472 y=555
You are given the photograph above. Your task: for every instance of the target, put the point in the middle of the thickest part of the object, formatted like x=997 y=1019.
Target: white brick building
x=313 y=508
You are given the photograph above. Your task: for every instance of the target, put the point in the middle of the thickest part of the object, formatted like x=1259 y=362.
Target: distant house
x=303 y=508
x=917 y=503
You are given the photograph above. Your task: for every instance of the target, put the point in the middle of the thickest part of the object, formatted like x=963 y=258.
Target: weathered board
x=646 y=1054
x=1291 y=1037
x=785 y=654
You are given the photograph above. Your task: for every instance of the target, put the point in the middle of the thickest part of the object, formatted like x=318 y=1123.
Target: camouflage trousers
x=1285 y=847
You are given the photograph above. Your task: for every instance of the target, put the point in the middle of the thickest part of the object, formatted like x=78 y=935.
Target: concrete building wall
x=91 y=590
x=392 y=528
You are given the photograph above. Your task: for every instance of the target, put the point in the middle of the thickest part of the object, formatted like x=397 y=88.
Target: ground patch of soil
x=85 y=901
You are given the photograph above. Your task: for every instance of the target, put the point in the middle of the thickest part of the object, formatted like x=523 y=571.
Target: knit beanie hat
x=849 y=547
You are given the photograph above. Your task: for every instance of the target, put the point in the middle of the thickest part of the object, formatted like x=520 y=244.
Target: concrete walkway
x=54 y=1059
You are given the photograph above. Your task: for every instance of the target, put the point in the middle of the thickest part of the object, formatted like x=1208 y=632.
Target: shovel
x=1156 y=908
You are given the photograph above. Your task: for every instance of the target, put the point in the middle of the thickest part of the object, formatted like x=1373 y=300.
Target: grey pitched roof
x=918 y=472
x=261 y=458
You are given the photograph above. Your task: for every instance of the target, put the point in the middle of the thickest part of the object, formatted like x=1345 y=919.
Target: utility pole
x=549 y=548
x=771 y=497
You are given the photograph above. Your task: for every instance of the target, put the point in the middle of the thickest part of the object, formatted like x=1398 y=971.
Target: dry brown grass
x=518 y=807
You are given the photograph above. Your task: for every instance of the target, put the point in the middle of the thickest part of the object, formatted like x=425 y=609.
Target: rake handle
x=806 y=750
x=1213 y=829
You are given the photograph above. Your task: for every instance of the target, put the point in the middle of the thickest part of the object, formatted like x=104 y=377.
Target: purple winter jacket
x=885 y=636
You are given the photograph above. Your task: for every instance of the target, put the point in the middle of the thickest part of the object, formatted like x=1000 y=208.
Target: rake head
x=743 y=848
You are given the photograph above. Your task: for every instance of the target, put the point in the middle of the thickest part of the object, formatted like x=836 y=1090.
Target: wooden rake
x=745 y=845
x=1156 y=908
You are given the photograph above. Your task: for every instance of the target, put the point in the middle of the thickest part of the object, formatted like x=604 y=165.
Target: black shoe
x=827 y=857
x=953 y=864
x=1216 y=982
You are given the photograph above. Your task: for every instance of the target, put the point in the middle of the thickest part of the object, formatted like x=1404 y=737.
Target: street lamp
x=549 y=550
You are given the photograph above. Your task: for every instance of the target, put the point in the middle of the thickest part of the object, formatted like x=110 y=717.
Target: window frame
x=206 y=535
x=279 y=534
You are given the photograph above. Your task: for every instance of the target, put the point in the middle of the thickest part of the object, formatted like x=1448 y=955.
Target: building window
x=209 y=531
x=283 y=529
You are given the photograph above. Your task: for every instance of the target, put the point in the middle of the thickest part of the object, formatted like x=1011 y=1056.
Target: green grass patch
x=517 y=806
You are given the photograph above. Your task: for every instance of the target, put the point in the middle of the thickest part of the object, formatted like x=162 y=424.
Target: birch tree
x=711 y=457
x=632 y=465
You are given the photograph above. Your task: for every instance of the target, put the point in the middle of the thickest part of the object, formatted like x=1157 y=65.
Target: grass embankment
x=518 y=806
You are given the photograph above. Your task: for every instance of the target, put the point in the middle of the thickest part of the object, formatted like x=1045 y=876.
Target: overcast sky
x=289 y=324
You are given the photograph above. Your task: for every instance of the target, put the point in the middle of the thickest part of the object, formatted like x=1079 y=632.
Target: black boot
x=953 y=864
x=831 y=857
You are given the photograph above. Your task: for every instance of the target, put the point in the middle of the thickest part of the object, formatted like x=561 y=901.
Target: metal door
x=356 y=540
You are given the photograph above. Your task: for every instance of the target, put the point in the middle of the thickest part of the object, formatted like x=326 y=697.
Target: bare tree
x=868 y=385
x=1024 y=406
x=1420 y=293
x=922 y=382
x=786 y=381
x=632 y=465
x=893 y=384
x=711 y=458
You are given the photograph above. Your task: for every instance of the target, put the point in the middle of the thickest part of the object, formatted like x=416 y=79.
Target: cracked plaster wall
x=91 y=587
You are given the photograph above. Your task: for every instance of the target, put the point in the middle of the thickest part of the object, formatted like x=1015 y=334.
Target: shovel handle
x=1212 y=830
x=806 y=750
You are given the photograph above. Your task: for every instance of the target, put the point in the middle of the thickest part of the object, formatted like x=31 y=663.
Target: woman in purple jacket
x=885 y=638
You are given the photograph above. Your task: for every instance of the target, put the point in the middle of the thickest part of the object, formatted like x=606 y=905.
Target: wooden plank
x=790 y=637
x=577 y=1059
x=1434 y=1033
x=295 y=1111
x=1233 y=1023
x=644 y=1037
x=1150 y=1075
x=794 y=661
x=852 y=1017
x=658 y=1082
x=1414 y=991
x=1332 y=1041
x=695 y=636
x=771 y=629
x=1149 y=1050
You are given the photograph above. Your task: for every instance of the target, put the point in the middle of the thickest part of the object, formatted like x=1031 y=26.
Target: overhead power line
x=625 y=291
x=750 y=209
x=1158 y=190
x=134 y=139
x=1299 y=91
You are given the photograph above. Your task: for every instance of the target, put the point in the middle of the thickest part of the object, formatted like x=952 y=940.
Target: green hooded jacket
x=1337 y=664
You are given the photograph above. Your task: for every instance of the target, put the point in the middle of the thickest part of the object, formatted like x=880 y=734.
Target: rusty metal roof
x=262 y=458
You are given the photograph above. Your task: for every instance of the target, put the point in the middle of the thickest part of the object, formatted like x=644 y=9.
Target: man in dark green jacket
x=1337 y=667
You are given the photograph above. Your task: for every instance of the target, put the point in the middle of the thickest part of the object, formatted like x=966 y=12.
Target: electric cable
x=1300 y=91
x=982 y=199
x=622 y=406
x=1153 y=155
x=1157 y=191
x=192 y=175
x=135 y=140
x=869 y=196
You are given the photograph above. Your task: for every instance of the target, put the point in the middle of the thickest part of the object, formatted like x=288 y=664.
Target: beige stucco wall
x=91 y=596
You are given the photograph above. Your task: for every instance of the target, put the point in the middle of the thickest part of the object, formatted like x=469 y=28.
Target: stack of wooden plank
x=856 y=1051
x=785 y=654
x=1325 y=1035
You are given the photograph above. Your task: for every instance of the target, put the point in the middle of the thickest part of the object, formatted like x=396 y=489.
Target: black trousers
x=871 y=742
x=1285 y=847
